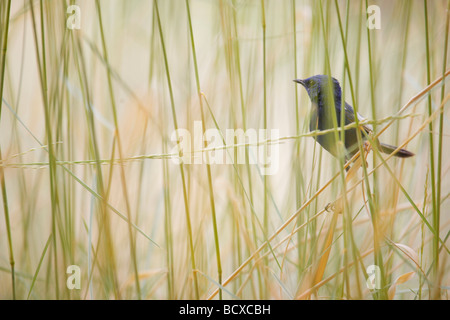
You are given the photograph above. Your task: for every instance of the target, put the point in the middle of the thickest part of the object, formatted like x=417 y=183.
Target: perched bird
x=318 y=88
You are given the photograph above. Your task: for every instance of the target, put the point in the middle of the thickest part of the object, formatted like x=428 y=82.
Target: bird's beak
x=300 y=81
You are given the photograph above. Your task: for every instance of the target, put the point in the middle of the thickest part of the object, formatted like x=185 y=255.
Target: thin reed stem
x=183 y=179
x=208 y=168
x=2 y=173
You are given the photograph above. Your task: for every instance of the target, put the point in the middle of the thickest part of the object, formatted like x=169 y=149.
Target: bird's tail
x=402 y=153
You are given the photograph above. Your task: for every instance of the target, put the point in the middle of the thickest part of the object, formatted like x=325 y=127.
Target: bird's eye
x=310 y=83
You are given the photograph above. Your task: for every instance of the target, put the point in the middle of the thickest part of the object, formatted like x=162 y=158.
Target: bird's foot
x=329 y=207
x=335 y=206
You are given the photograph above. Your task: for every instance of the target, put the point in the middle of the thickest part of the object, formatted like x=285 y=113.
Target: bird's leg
x=367 y=148
x=337 y=206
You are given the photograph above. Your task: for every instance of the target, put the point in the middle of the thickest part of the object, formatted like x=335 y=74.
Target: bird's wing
x=350 y=118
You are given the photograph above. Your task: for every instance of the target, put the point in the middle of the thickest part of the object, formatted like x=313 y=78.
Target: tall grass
x=4 y=37
x=88 y=159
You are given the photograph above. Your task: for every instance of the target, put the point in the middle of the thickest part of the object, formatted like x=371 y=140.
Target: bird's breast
x=314 y=120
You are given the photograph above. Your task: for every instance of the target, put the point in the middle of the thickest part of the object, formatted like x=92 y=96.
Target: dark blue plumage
x=318 y=88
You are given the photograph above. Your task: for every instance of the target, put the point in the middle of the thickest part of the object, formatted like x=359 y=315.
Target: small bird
x=318 y=88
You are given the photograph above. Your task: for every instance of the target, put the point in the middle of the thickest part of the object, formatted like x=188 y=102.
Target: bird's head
x=317 y=87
